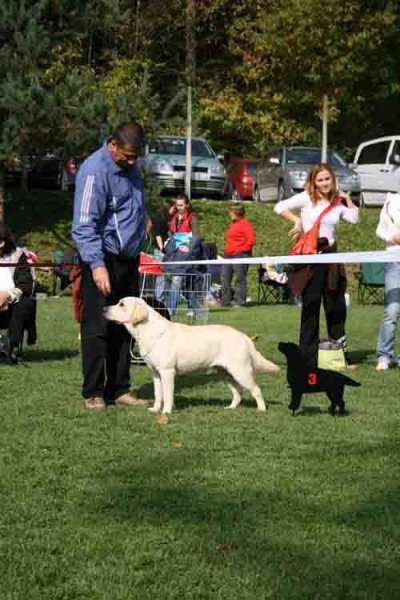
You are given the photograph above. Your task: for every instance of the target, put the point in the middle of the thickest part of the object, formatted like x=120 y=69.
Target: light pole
x=324 y=145
x=189 y=80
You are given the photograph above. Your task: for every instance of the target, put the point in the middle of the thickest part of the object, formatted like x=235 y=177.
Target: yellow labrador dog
x=169 y=348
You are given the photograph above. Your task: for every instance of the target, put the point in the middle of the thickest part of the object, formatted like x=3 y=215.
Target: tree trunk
x=24 y=177
x=2 y=192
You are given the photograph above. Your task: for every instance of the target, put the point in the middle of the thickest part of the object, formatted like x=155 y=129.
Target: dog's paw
x=262 y=409
x=153 y=409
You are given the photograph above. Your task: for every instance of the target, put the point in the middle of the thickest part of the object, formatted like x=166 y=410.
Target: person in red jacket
x=239 y=241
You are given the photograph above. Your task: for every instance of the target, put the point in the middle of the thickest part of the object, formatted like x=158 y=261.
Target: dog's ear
x=139 y=314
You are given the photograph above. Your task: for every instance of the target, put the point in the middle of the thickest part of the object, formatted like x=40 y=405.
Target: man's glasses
x=128 y=155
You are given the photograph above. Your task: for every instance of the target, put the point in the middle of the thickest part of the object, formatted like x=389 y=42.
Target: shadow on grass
x=31 y=356
x=263 y=535
x=361 y=356
x=183 y=382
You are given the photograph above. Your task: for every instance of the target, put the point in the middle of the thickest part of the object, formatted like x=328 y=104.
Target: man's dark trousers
x=106 y=345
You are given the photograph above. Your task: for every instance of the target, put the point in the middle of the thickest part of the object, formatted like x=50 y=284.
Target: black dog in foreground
x=301 y=381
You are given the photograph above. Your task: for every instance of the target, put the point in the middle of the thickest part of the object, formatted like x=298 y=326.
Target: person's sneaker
x=382 y=365
x=130 y=399
x=94 y=403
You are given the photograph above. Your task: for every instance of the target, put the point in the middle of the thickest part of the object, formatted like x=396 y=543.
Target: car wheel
x=256 y=194
x=280 y=192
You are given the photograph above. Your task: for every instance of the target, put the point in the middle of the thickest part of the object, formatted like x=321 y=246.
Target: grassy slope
x=216 y=505
x=43 y=220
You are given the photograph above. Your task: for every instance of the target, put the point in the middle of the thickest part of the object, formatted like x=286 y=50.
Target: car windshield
x=178 y=146
x=251 y=168
x=312 y=156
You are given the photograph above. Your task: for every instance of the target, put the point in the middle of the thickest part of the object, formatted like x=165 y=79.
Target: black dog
x=301 y=381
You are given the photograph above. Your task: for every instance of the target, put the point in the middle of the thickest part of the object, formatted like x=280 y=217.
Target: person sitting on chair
x=17 y=307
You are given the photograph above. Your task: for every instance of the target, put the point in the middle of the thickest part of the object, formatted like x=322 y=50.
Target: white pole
x=189 y=78
x=188 y=172
x=324 y=147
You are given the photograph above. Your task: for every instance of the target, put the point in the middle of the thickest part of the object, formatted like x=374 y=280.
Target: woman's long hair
x=312 y=188
x=165 y=209
x=7 y=237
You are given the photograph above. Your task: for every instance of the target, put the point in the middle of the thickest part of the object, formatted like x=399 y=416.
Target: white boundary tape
x=377 y=256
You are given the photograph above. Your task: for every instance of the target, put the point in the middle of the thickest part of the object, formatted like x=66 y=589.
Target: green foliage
x=70 y=71
x=284 y=55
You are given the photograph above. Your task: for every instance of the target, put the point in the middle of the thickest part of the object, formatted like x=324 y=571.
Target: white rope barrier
x=376 y=256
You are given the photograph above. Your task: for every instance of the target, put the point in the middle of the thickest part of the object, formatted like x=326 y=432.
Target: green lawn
x=214 y=505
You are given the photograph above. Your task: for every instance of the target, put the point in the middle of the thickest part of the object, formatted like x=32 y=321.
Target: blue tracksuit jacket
x=109 y=209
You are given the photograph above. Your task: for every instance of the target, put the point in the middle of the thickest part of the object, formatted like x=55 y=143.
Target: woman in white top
x=316 y=283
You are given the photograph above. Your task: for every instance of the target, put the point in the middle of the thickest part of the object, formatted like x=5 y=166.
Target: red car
x=241 y=173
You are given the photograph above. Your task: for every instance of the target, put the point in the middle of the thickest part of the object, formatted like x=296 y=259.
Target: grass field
x=216 y=504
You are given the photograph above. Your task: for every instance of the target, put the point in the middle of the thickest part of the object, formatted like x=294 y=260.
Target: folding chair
x=61 y=272
x=371 y=283
x=269 y=291
x=148 y=265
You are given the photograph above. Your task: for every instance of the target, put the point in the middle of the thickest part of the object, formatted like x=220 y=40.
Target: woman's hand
x=183 y=248
x=344 y=196
x=296 y=230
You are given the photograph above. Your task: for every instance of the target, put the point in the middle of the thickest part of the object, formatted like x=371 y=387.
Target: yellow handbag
x=331 y=356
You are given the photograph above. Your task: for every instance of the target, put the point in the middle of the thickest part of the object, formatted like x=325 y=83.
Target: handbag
x=331 y=356
x=308 y=242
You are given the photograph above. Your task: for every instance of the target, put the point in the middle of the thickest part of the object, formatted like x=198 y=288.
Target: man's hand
x=102 y=280
x=396 y=238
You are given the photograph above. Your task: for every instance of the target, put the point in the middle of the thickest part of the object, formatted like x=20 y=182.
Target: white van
x=377 y=162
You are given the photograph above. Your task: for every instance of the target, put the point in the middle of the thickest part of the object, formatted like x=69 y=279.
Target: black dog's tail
x=348 y=380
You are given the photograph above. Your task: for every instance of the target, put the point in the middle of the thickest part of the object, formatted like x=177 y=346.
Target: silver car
x=164 y=163
x=284 y=170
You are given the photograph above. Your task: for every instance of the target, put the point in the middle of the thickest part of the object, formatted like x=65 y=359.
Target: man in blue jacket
x=109 y=228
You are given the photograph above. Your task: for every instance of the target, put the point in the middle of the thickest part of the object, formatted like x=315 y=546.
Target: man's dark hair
x=129 y=135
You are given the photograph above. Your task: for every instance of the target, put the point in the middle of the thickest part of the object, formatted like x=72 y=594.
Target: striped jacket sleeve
x=88 y=219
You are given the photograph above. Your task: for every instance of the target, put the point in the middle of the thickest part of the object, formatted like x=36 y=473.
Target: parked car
x=164 y=162
x=241 y=173
x=47 y=173
x=284 y=170
x=43 y=173
x=377 y=163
